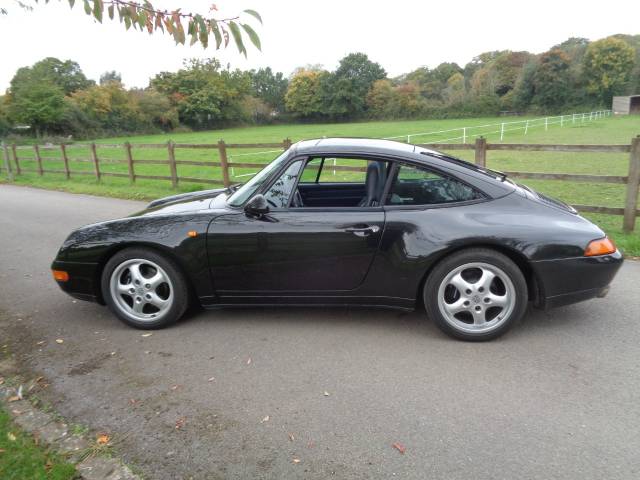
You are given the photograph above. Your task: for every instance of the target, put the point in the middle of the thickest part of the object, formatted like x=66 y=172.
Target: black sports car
x=347 y=222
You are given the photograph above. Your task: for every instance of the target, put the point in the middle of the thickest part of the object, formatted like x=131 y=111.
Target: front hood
x=184 y=202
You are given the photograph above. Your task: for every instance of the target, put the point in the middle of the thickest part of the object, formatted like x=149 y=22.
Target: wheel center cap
x=140 y=291
x=476 y=298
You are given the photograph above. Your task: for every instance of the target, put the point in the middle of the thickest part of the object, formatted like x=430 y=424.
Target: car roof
x=358 y=145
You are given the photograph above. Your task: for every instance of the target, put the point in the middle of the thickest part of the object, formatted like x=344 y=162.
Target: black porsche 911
x=347 y=222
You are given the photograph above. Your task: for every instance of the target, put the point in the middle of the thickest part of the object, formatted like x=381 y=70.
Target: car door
x=298 y=249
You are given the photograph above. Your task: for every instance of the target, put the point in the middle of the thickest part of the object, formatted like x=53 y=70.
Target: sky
x=400 y=35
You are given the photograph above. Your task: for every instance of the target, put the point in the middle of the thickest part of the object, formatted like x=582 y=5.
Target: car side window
x=417 y=186
x=335 y=170
x=279 y=193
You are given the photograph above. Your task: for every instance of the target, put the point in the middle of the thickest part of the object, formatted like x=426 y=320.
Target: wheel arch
x=157 y=248
x=534 y=285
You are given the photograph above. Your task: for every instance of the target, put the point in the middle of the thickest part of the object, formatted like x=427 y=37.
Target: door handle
x=363 y=231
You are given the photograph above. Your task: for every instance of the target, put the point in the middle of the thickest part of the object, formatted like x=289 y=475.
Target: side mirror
x=257 y=206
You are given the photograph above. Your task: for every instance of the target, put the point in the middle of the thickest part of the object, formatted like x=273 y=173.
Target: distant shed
x=626 y=105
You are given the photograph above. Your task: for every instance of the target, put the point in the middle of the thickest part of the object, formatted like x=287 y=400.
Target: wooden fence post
x=36 y=149
x=172 y=164
x=633 y=184
x=14 y=150
x=481 y=152
x=286 y=143
x=65 y=159
x=222 y=149
x=96 y=162
x=127 y=151
x=7 y=161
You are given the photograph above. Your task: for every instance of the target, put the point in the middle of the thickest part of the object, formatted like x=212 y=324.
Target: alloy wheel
x=141 y=289
x=476 y=297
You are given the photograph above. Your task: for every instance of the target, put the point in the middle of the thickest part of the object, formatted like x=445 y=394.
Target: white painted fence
x=465 y=134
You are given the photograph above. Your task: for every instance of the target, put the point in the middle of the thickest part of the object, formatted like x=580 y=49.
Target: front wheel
x=144 y=289
x=475 y=294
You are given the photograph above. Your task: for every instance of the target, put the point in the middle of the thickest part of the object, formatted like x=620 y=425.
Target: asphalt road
x=558 y=397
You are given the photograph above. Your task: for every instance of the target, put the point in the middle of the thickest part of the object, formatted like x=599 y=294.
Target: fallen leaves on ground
x=326 y=394
x=133 y=401
x=175 y=387
x=1 y=380
x=398 y=446
x=103 y=439
x=265 y=419
x=291 y=437
x=296 y=460
x=211 y=379
x=146 y=334
x=59 y=341
x=40 y=343
x=11 y=437
x=249 y=361
x=180 y=423
x=14 y=398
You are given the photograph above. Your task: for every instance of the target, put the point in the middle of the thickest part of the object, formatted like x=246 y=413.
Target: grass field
x=603 y=131
x=21 y=458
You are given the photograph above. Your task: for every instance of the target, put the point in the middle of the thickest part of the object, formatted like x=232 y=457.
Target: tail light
x=601 y=246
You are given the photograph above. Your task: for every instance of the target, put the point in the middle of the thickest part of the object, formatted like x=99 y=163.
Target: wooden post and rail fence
x=629 y=212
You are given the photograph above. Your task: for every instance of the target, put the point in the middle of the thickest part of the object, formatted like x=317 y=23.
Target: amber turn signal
x=602 y=246
x=192 y=233
x=60 y=275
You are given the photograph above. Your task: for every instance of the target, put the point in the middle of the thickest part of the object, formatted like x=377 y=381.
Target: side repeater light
x=60 y=276
x=601 y=246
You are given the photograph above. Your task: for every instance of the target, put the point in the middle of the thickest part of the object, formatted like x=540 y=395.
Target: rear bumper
x=573 y=280
x=83 y=282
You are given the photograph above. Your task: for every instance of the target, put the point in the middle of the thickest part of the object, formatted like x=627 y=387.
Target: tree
x=524 y=90
x=269 y=87
x=204 y=94
x=607 y=68
x=350 y=84
x=5 y=125
x=380 y=99
x=507 y=67
x=302 y=98
x=39 y=104
x=110 y=76
x=156 y=109
x=65 y=74
x=109 y=108
x=455 y=91
x=145 y=17
x=552 y=80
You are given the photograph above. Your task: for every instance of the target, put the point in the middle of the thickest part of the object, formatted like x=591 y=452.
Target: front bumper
x=83 y=282
x=572 y=280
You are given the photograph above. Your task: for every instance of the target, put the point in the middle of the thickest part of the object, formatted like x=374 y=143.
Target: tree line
x=54 y=97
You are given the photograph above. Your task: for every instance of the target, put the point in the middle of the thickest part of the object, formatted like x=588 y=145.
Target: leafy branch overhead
x=180 y=25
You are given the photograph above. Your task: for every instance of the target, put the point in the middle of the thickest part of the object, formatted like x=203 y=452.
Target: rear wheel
x=476 y=294
x=144 y=289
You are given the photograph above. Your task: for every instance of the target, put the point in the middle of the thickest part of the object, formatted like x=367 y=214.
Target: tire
x=475 y=294
x=144 y=289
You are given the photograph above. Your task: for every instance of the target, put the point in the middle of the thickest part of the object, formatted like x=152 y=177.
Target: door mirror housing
x=257 y=206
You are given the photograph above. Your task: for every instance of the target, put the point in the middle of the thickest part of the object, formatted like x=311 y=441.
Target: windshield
x=247 y=190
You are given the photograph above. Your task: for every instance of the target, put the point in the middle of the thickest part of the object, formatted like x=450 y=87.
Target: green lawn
x=22 y=459
x=606 y=130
